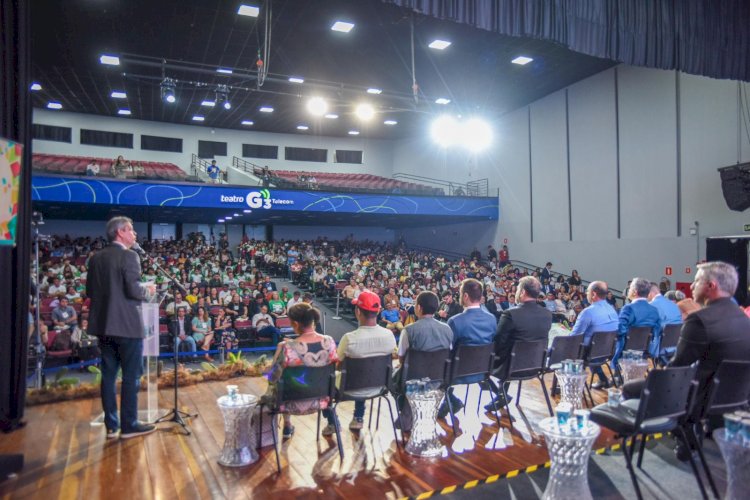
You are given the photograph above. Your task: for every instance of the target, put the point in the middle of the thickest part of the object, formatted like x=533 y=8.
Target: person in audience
x=57 y=288
x=92 y=169
x=669 y=314
x=528 y=322
x=264 y=324
x=308 y=349
x=503 y=257
x=223 y=331
x=366 y=341
x=213 y=172
x=203 y=334
x=426 y=334
x=390 y=317
x=448 y=308
x=600 y=316
x=276 y=306
x=474 y=326
x=296 y=299
x=546 y=274
x=64 y=317
x=236 y=309
x=176 y=304
x=121 y=168
x=181 y=329
x=687 y=306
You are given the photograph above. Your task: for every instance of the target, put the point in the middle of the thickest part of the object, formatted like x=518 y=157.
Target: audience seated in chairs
x=390 y=317
x=180 y=327
x=265 y=326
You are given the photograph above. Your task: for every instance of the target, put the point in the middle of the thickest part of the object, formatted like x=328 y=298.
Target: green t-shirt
x=276 y=306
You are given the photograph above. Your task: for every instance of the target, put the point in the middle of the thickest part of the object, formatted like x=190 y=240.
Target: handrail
x=479 y=187
x=247 y=166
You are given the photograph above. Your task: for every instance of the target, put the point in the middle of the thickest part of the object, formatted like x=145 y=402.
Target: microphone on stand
x=137 y=249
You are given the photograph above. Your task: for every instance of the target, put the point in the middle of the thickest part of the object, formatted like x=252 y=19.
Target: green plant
x=235 y=358
x=261 y=361
x=209 y=367
x=96 y=371
x=62 y=381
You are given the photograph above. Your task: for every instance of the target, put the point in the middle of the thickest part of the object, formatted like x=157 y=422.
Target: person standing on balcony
x=213 y=172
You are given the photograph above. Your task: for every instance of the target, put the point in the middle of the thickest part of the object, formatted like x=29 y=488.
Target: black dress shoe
x=602 y=384
x=499 y=403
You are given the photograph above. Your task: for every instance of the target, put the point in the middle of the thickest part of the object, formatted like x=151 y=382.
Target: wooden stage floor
x=67 y=458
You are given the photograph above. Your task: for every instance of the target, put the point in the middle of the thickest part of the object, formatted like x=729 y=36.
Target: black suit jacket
x=174 y=326
x=527 y=322
x=113 y=283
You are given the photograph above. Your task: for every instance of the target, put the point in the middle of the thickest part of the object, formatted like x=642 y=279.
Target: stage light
x=236 y=215
x=317 y=106
x=522 y=60
x=332 y=116
x=124 y=112
x=374 y=91
x=445 y=130
x=476 y=134
x=170 y=98
x=342 y=26
x=248 y=10
x=365 y=111
x=116 y=94
x=225 y=71
x=167 y=88
x=247 y=211
x=109 y=60
x=390 y=122
x=198 y=118
x=227 y=104
x=302 y=127
x=209 y=104
x=35 y=86
x=354 y=132
x=266 y=109
x=220 y=221
x=227 y=218
x=296 y=79
x=54 y=105
x=439 y=44
x=248 y=122
x=442 y=100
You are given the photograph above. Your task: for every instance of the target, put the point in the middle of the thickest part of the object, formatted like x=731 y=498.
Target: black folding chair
x=365 y=379
x=599 y=353
x=669 y=339
x=300 y=384
x=638 y=339
x=471 y=361
x=664 y=403
x=563 y=347
x=527 y=361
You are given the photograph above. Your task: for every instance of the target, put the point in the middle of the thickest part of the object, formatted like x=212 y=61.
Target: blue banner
x=250 y=198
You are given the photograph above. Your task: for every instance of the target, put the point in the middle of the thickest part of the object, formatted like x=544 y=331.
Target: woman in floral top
x=308 y=349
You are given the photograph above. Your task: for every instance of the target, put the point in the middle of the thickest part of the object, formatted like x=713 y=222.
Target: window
x=305 y=154
x=156 y=143
x=209 y=149
x=104 y=138
x=347 y=156
x=53 y=133
x=260 y=151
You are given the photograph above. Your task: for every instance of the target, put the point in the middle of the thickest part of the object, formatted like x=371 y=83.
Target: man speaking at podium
x=113 y=285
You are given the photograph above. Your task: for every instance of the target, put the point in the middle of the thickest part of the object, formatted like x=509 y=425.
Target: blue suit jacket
x=638 y=313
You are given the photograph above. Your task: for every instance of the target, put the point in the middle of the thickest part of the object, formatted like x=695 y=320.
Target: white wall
x=377 y=155
x=81 y=228
x=645 y=107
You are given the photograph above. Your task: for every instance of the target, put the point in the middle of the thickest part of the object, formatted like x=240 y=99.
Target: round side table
x=569 y=457
x=239 y=436
x=571 y=388
x=424 y=440
x=737 y=458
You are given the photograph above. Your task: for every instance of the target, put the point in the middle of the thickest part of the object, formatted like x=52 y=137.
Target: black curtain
x=15 y=124
x=702 y=37
x=732 y=251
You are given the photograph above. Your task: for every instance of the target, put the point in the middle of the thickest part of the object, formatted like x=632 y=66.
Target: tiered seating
x=366 y=182
x=76 y=165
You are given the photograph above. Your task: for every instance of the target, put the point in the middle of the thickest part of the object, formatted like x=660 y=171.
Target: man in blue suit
x=669 y=314
x=638 y=313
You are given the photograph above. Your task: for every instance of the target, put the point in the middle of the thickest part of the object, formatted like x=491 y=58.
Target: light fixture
x=248 y=10
x=444 y=130
x=302 y=127
x=342 y=26
x=54 y=105
x=374 y=91
x=390 y=122
x=442 y=100
x=247 y=211
x=116 y=94
x=209 y=104
x=110 y=60
x=296 y=79
x=35 y=86
x=317 y=106
x=124 y=112
x=167 y=88
x=220 y=221
x=522 y=60
x=198 y=118
x=247 y=122
x=365 y=111
x=476 y=134
x=354 y=132
x=266 y=109
x=227 y=104
x=439 y=44
x=332 y=116
x=225 y=71
x=228 y=217
x=236 y=215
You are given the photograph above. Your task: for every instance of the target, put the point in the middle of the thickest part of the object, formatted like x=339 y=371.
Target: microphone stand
x=174 y=415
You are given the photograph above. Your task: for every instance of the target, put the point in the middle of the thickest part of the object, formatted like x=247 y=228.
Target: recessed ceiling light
x=236 y=215
x=210 y=104
x=247 y=211
x=124 y=112
x=227 y=218
x=266 y=109
x=54 y=105
x=342 y=26
x=225 y=71
x=332 y=116
x=198 y=118
x=296 y=79
x=442 y=100
x=248 y=122
x=390 y=122
x=302 y=127
x=522 y=60
x=439 y=44
x=118 y=95
x=354 y=132
x=111 y=60
x=220 y=221
x=248 y=10
x=365 y=111
x=35 y=86
x=374 y=91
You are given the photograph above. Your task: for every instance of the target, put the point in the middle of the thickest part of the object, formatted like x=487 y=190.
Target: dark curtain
x=305 y=154
x=15 y=124
x=733 y=251
x=156 y=143
x=702 y=37
x=260 y=151
x=104 y=138
x=53 y=133
x=209 y=149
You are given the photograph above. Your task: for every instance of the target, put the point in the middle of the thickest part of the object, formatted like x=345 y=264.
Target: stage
x=68 y=457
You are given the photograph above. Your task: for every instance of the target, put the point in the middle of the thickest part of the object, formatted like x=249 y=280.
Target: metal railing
x=478 y=187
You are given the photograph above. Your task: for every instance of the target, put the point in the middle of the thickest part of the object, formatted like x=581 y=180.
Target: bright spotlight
x=476 y=134
x=445 y=130
x=317 y=106
x=227 y=104
x=167 y=87
x=365 y=112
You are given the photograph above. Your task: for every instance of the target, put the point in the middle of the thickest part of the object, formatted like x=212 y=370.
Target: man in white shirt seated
x=264 y=325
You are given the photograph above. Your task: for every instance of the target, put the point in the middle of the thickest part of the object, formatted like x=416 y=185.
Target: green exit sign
x=747 y=227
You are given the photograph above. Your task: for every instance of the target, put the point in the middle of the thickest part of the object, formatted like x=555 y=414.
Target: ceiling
x=196 y=37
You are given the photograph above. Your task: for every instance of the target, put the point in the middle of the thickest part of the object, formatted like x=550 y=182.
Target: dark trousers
x=125 y=353
x=359 y=412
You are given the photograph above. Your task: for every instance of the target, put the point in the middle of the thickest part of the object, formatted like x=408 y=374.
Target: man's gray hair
x=640 y=286
x=725 y=275
x=115 y=224
x=531 y=286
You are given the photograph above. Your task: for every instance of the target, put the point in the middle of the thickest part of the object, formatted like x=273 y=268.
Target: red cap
x=367 y=301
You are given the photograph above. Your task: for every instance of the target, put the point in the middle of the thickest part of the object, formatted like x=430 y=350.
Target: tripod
x=37 y=220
